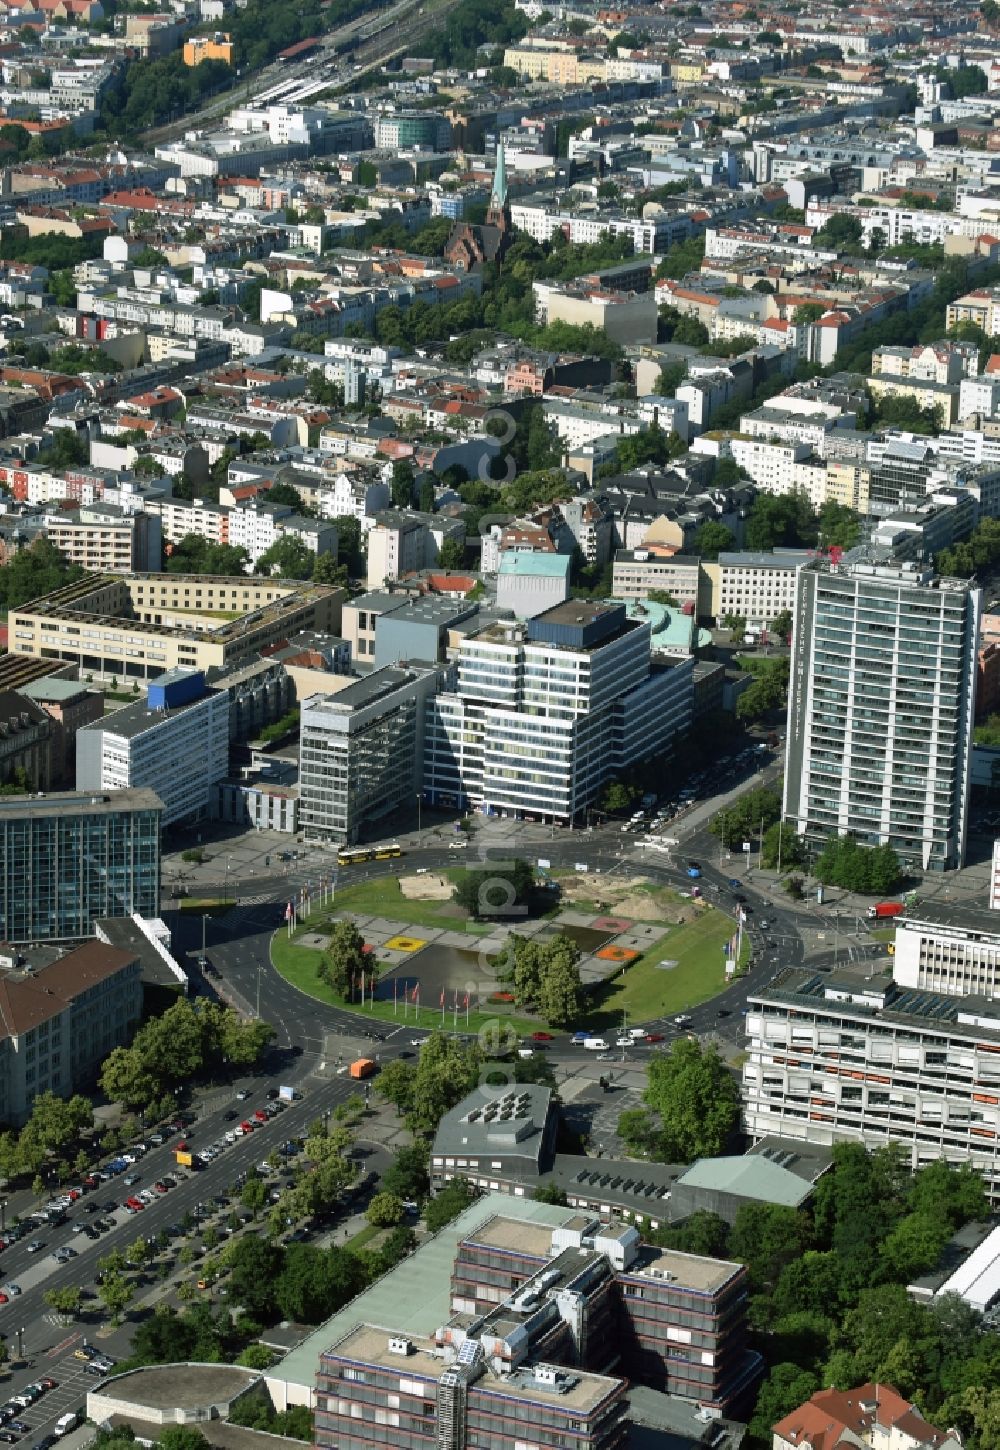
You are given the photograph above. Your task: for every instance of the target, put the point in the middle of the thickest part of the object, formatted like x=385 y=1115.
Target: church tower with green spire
x=498 y=214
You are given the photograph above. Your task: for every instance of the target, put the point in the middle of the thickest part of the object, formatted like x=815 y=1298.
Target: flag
x=466 y=1001
x=413 y=994
x=442 y=997
x=288 y=912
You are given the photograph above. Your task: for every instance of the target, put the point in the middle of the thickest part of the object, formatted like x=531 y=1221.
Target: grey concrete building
x=361 y=751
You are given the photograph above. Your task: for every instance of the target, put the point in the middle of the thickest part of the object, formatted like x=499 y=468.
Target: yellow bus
x=353 y=855
x=383 y=853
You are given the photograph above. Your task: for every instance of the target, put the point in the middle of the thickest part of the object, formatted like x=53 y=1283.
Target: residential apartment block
x=544 y=712
x=104 y=539
x=880 y=709
x=70 y=858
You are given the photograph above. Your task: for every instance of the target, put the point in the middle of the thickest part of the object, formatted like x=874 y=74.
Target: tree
x=182 y=1437
x=65 y=1301
x=560 y=989
x=737 y=626
x=550 y=1193
x=713 y=539
x=255 y=1356
x=451 y=555
x=840 y=230
x=125 y=1078
x=426 y=499
x=782 y=844
x=285 y=493
x=288 y=558
x=255 y=1266
x=402 y=484
x=696 y=1101
x=617 y=796
x=496 y=890
x=781 y=520
x=867 y=870
x=385 y=1210
x=448 y=1204
x=345 y=959
x=781 y=624
x=116 y=1293
x=807 y=312
x=406 y=1175
x=315 y=1283
x=839 y=526
x=446 y=1071
x=786 y=1387
x=34 y=571
x=766 y=1237
x=253 y=1195
x=702 y=1233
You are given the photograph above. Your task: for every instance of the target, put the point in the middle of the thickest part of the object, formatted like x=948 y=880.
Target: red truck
x=883 y=909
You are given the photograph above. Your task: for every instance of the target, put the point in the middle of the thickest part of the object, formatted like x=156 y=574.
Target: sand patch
x=425 y=888
x=622 y=896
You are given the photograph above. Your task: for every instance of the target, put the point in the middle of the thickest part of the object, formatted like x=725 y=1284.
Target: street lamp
x=3 y=1214
x=20 y=1343
x=419 y=804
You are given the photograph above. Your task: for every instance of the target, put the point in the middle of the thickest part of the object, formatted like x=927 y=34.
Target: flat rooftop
x=369 y=1344
x=575 y=1389
x=136 y=718
x=704 y=1276
x=415 y=1297
x=80 y=802
x=365 y=691
x=510 y=1233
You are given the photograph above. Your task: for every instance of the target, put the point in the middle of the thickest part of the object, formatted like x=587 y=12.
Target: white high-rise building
x=545 y=712
x=880 y=709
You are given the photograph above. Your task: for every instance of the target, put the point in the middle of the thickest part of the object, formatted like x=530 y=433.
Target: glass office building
x=67 y=859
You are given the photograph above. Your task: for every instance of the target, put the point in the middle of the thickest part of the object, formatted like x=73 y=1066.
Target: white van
x=595 y=1044
x=66 y=1423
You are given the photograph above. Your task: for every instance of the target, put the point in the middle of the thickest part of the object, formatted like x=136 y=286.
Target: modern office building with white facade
x=880 y=709
x=544 y=712
x=176 y=742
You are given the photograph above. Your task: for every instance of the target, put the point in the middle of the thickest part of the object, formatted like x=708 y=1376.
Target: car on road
x=8 y=1437
x=682 y=1019
x=624 y=1042
x=723 y=1012
x=230 y=1117
x=12 y=1290
x=542 y=1037
x=36 y=1246
x=242 y=1095
x=653 y=1037
x=735 y=883
x=130 y=1179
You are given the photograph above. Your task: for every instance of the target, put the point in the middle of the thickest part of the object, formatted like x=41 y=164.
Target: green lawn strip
x=647 y=991
x=382 y=897
x=299 y=966
x=362 y=1237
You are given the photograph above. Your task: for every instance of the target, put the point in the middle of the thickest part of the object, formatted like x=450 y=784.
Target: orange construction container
x=364 y=1067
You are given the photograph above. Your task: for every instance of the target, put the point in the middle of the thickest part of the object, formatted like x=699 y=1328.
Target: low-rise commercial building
x=137 y=627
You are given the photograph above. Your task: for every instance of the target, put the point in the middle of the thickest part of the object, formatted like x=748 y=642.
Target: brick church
x=469 y=246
